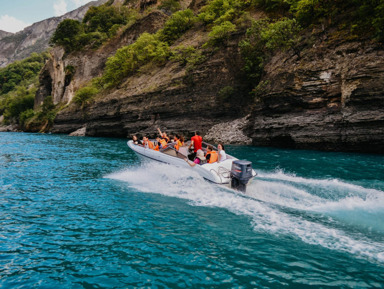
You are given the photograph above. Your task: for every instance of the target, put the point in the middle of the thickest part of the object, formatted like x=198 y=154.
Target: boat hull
x=218 y=173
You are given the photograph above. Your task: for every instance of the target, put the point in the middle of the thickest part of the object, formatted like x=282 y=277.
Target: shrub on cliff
x=187 y=55
x=99 y=24
x=83 y=95
x=170 y=5
x=265 y=37
x=219 y=11
x=177 y=25
x=128 y=59
x=66 y=34
x=220 y=33
x=103 y=18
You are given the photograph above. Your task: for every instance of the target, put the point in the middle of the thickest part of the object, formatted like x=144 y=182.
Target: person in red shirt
x=196 y=143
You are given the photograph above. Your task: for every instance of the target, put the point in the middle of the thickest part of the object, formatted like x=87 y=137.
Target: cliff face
x=87 y=65
x=329 y=98
x=332 y=98
x=4 y=34
x=171 y=97
x=35 y=38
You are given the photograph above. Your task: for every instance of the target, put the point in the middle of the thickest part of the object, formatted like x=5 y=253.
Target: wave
x=278 y=203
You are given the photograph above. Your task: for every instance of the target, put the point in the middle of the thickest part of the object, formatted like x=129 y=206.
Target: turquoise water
x=85 y=213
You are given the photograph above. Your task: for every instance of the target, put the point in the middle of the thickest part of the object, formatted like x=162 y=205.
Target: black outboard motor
x=241 y=173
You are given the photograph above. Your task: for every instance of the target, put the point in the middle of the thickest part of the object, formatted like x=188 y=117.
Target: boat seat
x=170 y=152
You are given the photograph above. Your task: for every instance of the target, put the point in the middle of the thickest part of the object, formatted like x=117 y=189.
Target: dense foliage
x=19 y=71
x=360 y=16
x=99 y=23
x=177 y=25
x=128 y=59
x=16 y=102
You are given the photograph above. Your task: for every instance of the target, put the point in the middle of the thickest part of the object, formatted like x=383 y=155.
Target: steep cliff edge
x=332 y=98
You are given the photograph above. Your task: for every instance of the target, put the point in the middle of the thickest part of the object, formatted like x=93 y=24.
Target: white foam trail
x=325 y=183
x=265 y=215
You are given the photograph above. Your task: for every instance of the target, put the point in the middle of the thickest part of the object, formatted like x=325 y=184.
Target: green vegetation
x=99 y=24
x=128 y=59
x=363 y=17
x=219 y=11
x=263 y=38
x=177 y=25
x=42 y=118
x=66 y=34
x=84 y=95
x=189 y=56
x=170 y=5
x=220 y=33
x=16 y=102
x=21 y=71
x=18 y=85
x=147 y=48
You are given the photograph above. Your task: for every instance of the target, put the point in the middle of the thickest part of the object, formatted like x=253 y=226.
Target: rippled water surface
x=86 y=213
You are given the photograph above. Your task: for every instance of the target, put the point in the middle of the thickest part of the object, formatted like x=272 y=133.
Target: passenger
x=182 y=141
x=222 y=154
x=177 y=143
x=212 y=155
x=163 y=135
x=196 y=144
x=199 y=160
x=158 y=144
x=135 y=140
x=147 y=143
x=162 y=143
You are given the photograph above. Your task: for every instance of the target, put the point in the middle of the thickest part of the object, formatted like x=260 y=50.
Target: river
x=85 y=213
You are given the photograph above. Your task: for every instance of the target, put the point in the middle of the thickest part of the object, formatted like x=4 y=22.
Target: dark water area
x=86 y=213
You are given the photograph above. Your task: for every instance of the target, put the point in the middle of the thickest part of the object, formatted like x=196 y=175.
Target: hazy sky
x=15 y=15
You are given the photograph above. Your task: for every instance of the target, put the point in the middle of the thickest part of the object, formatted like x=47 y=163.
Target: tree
x=66 y=34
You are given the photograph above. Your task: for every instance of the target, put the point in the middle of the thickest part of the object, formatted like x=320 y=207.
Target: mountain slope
x=35 y=38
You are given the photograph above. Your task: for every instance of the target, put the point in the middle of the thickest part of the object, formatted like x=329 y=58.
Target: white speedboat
x=231 y=171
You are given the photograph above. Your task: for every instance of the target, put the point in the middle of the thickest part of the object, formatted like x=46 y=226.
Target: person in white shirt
x=222 y=154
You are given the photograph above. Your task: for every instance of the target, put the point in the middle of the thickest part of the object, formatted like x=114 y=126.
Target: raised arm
x=161 y=134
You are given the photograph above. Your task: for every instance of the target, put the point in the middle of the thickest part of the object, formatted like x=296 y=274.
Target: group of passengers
x=196 y=155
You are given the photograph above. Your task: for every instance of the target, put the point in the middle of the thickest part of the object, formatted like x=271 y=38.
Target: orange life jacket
x=214 y=157
x=156 y=148
x=150 y=145
x=178 y=145
x=163 y=143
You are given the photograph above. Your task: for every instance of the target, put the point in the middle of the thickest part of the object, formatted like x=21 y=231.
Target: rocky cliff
x=329 y=98
x=332 y=98
x=4 y=34
x=35 y=38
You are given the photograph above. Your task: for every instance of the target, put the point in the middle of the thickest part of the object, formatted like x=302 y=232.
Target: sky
x=15 y=15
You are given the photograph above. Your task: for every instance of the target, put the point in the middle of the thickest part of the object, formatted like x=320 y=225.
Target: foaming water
x=277 y=206
x=86 y=213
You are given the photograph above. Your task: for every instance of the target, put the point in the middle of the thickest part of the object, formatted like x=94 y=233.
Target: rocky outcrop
x=87 y=65
x=4 y=34
x=35 y=38
x=231 y=132
x=332 y=98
